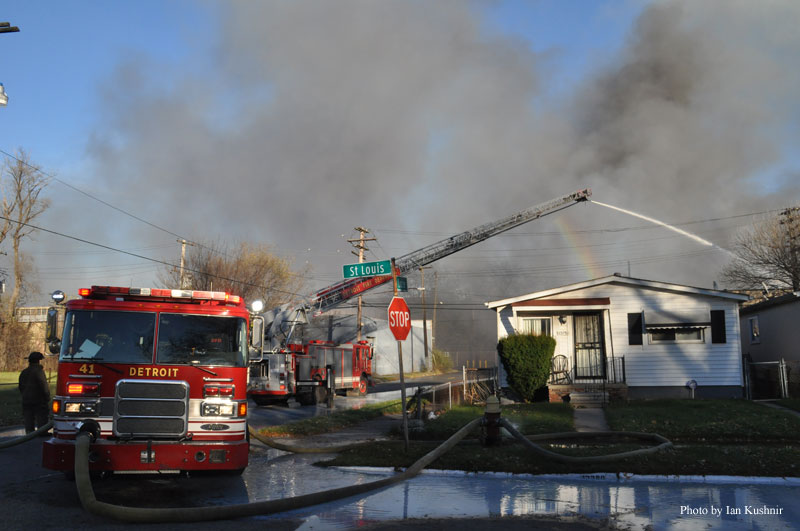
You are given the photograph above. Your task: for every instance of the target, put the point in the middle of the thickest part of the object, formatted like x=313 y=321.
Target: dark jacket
x=33 y=385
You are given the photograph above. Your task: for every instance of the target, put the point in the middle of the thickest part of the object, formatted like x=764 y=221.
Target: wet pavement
x=597 y=499
x=37 y=498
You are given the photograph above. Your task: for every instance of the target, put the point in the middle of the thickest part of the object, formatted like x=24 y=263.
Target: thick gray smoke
x=315 y=117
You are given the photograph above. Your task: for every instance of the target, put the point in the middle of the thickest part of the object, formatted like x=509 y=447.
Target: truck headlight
x=216 y=409
x=80 y=408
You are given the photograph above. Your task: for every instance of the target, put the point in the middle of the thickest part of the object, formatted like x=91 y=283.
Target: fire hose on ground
x=198 y=514
x=27 y=436
x=663 y=444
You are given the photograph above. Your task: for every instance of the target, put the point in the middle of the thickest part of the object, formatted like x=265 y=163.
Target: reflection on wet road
x=434 y=494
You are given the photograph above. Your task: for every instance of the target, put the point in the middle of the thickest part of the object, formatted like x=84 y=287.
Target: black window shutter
x=718 y=326
x=635 y=328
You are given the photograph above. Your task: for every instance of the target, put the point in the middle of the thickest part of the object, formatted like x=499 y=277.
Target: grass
x=530 y=418
x=333 y=422
x=722 y=421
x=791 y=403
x=747 y=460
x=10 y=400
x=712 y=437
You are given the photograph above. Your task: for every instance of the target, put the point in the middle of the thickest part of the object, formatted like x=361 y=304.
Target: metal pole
x=424 y=317
x=450 y=395
x=403 y=393
x=402 y=375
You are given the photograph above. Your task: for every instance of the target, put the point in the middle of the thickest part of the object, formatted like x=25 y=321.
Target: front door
x=589 y=352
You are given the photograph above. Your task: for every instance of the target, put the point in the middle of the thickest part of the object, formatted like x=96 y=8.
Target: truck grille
x=151 y=408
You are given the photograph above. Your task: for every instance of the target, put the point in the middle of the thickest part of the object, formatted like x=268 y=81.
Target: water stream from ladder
x=682 y=232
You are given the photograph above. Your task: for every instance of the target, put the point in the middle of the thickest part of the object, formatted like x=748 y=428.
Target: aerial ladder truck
x=282 y=366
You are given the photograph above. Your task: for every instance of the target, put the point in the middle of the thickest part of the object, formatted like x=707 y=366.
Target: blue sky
x=150 y=105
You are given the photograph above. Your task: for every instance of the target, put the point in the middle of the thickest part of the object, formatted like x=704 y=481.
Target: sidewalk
x=776 y=406
x=590 y=419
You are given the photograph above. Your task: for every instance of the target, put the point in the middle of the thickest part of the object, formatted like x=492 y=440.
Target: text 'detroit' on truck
x=158 y=376
x=283 y=365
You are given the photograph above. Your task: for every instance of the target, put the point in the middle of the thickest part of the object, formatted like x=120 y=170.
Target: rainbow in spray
x=581 y=247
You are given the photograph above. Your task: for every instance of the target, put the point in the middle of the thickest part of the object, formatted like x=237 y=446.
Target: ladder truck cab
x=158 y=376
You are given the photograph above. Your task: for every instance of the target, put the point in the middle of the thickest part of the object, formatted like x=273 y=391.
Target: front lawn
x=722 y=421
x=711 y=437
x=10 y=400
x=791 y=403
x=540 y=417
x=335 y=421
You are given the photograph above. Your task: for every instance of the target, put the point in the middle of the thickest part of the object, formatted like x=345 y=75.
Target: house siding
x=652 y=365
x=670 y=364
x=780 y=333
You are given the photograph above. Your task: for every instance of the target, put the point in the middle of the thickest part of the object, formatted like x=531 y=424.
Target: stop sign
x=399 y=318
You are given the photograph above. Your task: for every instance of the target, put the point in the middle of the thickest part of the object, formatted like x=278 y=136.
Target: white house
x=634 y=338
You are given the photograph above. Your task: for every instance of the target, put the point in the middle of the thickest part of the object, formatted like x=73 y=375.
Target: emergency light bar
x=166 y=293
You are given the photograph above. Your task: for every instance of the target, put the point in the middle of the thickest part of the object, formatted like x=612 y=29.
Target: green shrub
x=526 y=359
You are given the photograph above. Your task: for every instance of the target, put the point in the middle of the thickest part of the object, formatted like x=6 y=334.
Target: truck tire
x=260 y=400
x=362 y=385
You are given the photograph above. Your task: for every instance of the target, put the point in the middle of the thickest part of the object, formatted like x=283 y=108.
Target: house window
x=677 y=335
x=538 y=326
x=755 y=332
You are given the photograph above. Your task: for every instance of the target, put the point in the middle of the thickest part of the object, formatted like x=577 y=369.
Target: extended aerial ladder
x=334 y=295
x=273 y=331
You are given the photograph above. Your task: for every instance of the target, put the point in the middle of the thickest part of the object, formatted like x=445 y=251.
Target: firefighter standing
x=35 y=393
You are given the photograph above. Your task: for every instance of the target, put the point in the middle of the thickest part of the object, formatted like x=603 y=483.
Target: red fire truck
x=309 y=371
x=158 y=375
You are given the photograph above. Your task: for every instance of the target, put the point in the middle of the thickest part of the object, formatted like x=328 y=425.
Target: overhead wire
x=154 y=260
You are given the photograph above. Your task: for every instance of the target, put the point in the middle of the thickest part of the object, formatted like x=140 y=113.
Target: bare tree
x=252 y=271
x=23 y=184
x=768 y=253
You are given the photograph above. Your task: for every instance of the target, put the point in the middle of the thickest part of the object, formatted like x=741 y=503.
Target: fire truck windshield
x=109 y=336
x=128 y=337
x=201 y=340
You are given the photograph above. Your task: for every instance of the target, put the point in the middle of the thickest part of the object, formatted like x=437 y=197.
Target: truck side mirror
x=54 y=346
x=51 y=330
x=257 y=333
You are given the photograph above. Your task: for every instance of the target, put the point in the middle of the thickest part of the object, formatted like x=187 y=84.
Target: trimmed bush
x=526 y=359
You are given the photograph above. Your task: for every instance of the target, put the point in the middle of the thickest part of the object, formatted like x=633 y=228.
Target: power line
x=588 y=231
x=154 y=260
x=87 y=194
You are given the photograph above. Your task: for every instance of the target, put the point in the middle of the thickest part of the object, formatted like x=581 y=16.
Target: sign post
x=400 y=325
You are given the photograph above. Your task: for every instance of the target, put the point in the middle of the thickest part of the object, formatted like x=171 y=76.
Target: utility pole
x=424 y=316
x=435 y=304
x=360 y=244
x=183 y=243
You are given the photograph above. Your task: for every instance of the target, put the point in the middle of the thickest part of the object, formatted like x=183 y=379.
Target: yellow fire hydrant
x=491 y=421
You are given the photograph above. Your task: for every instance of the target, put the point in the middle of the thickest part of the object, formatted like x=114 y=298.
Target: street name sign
x=367 y=269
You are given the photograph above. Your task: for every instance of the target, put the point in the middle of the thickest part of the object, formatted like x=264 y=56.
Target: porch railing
x=614 y=373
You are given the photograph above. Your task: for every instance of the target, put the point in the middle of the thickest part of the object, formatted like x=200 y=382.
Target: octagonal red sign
x=399 y=318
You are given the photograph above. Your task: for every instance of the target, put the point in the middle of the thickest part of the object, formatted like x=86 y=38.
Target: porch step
x=588 y=399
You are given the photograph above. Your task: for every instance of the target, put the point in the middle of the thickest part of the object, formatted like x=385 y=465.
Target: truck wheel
x=260 y=400
x=362 y=385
